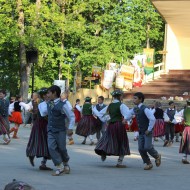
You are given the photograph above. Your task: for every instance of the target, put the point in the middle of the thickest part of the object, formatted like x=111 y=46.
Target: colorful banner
x=119 y=82
x=149 y=62
x=127 y=72
x=96 y=71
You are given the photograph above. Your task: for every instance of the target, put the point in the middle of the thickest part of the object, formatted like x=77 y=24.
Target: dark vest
x=171 y=114
x=159 y=113
x=99 y=108
x=17 y=107
x=56 y=119
x=87 y=109
x=114 y=112
x=142 y=120
x=4 y=107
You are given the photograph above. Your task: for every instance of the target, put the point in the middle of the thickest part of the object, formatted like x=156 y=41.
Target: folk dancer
x=146 y=121
x=114 y=140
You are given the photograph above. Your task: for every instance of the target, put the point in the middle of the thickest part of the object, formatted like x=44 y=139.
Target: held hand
x=124 y=121
x=69 y=132
x=147 y=132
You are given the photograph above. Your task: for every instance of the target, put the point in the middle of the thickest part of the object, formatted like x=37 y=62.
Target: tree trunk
x=24 y=66
x=62 y=6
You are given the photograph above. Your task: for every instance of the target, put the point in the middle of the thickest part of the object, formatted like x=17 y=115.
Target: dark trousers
x=102 y=131
x=145 y=147
x=170 y=131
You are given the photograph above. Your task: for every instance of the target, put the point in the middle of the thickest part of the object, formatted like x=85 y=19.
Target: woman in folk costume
x=159 y=126
x=88 y=125
x=3 y=130
x=114 y=141
x=16 y=117
x=185 y=140
x=37 y=144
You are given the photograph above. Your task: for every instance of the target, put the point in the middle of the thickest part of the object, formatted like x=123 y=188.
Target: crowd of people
x=54 y=119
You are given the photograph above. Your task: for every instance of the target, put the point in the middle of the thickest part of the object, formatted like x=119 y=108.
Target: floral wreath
x=117 y=92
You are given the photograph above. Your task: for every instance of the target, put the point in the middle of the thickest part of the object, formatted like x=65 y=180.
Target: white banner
x=109 y=76
x=61 y=84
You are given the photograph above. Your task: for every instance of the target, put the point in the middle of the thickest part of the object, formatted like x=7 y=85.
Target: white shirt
x=68 y=103
x=78 y=108
x=149 y=114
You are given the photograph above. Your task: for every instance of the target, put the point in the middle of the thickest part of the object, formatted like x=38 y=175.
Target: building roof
x=176 y=13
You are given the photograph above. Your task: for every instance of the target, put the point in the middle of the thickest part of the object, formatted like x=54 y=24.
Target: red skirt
x=185 y=141
x=133 y=127
x=179 y=128
x=159 y=128
x=16 y=117
x=77 y=115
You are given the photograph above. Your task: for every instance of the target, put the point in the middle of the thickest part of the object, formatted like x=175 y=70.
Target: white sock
x=90 y=137
x=185 y=157
x=120 y=160
x=136 y=134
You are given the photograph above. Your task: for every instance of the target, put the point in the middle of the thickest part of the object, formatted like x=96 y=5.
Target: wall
x=178 y=56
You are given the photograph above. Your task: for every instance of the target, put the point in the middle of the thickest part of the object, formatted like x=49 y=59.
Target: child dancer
x=159 y=127
x=77 y=111
x=16 y=117
x=114 y=140
x=100 y=110
x=146 y=121
x=170 y=130
x=57 y=112
x=88 y=125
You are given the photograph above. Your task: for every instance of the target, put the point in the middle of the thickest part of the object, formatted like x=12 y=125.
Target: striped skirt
x=88 y=125
x=185 y=141
x=3 y=126
x=159 y=128
x=37 y=144
x=114 y=141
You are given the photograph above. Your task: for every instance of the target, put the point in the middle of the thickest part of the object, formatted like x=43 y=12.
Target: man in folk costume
x=114 y=141
x=100 y=110
x=146 y=121
x=57 y=112
x=185 y=141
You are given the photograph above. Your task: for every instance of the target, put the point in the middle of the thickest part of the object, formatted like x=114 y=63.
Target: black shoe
x=103 y=158
x=31 y=159
x=165 y=143
x=83 y=142
x=44 y=167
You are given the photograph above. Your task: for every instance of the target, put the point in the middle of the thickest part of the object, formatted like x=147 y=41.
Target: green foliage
x=75 y=34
